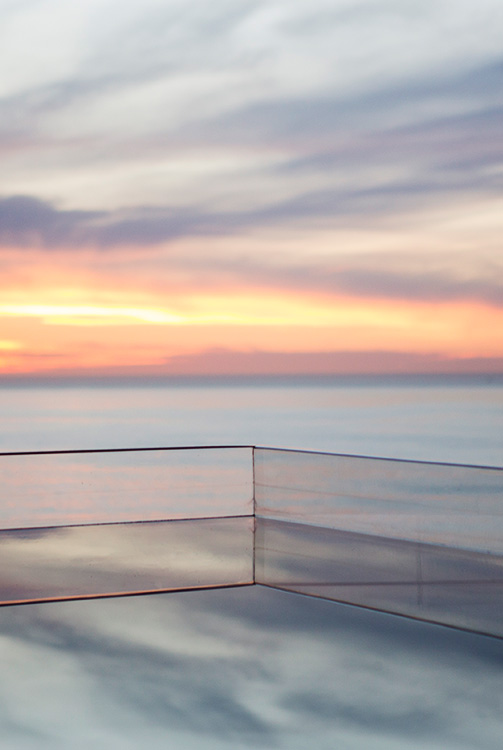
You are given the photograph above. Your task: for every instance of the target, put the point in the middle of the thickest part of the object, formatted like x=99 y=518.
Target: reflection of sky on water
x=247 y=668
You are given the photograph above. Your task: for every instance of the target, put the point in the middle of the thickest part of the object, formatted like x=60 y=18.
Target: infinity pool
x=203 y=599
x=246 y=667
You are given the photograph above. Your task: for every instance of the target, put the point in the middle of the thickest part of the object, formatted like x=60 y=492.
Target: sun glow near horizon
x=43 y=337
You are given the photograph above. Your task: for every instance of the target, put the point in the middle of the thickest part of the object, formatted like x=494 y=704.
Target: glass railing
x=100 y=523
x=447 y=504
x=418 y=539
x=103 y=486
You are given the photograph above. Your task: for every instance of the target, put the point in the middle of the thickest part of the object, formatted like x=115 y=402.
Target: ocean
x=436 y=419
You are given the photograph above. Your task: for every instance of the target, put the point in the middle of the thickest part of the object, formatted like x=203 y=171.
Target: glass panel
x=445 y=585
x=99 y=487
x=238 y=669
x=75 y=561
x=458 y=506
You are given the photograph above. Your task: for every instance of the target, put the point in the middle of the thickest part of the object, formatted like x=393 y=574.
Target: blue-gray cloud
x=430 y=286
x=25 y=220
x=476 y=91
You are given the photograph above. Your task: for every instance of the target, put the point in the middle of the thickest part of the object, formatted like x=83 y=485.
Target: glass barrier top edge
x=126 y=450
x=255 y=448
x=265 y=448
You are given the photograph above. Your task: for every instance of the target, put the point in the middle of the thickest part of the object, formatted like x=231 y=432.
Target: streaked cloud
x=218 y=362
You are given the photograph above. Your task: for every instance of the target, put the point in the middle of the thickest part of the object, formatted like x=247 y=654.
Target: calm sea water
x=443 y=420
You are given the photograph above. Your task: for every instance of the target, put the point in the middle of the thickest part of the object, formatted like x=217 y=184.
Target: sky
x=251 y=186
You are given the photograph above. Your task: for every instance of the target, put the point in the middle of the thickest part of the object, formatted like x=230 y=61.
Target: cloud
x=421 y=287
x=28 y=222
x=144 y=45
x=25 y=220
x=220 y=361
x=295 y=86
x=417 y=103
x=454 y=151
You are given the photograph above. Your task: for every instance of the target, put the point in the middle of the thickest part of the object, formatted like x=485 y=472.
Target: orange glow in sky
x=42 y=337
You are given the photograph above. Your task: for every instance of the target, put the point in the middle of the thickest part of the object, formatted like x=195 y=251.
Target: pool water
x=246 y=667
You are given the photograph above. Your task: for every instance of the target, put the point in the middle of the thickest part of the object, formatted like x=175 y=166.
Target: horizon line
x=90 y=379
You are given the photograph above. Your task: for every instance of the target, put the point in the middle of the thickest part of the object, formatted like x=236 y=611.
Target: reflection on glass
x=458 y=506
x=445 y=585
x=90 y=560
x=112 y=486
x=242 y=668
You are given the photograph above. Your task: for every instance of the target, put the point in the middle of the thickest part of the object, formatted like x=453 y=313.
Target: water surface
x=238 y=669
x=441 y=420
